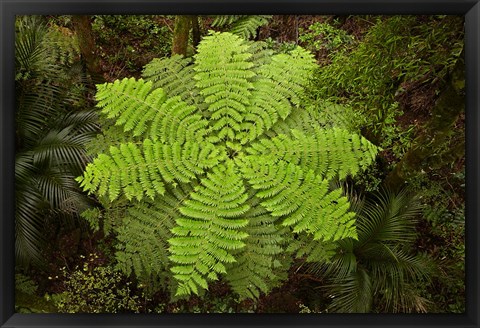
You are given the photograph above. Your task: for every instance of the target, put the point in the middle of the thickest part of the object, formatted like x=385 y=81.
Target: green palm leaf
x=30 y=207
x=50 y=136
x=352 y=293
x=380 y=263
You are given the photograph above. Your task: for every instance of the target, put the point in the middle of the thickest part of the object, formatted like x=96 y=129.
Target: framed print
x=257 y=163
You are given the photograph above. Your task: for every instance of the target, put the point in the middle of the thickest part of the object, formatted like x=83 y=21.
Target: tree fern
x=253 y=183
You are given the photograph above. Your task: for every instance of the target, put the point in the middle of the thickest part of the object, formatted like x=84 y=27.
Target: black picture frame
x=9 y=8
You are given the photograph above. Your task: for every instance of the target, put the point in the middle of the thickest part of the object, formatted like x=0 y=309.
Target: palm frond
x=388 y=217
x=50 y=134
x=352 y=293
x=63 y=148
x=380 y=265
x=29 y=220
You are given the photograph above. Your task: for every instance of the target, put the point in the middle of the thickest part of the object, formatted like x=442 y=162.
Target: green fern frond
x=303 y=198
x=224 y=81
x=175 y=76
x=340 y=153
x=314 y=251
x=261 y=53
x=277 y=90
x=222 y=20
x=290 y=72
x=139 y=170
x=243 y=25
x=247 y=26
x=210 y=229
x=257 y=268
x=130 y=102
x=144 y=232
x=328 y=151
x=330 y=115
x=176 y=121
x=136 y=106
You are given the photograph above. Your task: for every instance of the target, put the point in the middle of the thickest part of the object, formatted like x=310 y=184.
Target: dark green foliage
x=438 y=144
x=378 y=272
x=52 y=127
x=370 y=78
x=224 y=163
x=448 y=289
x=325 y=36
x=391 y=79
x=174 y=75
x=143 y=236
x=26 y=298
x=258 y=264
x=25 y=285
x=443 y=237
x=125 y=43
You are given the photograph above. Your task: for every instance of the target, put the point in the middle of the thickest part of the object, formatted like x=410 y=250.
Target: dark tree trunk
x=195 y=31
x=83 y=28
x=180 y=35
x=450 y=104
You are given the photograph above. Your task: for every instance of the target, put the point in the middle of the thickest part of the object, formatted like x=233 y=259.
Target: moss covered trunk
x=196 y=37
x=83 y=29
x=180 y=35
x=422 y=155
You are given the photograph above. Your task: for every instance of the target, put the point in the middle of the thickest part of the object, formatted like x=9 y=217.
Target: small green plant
x=96 y=290
x=25 y=284
x=27 y=299
x=226 y=303
x=280 y=47
x=447 y=231
x=403 y=142
x=371 y=180
x=305 y=309
x=325 y=36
